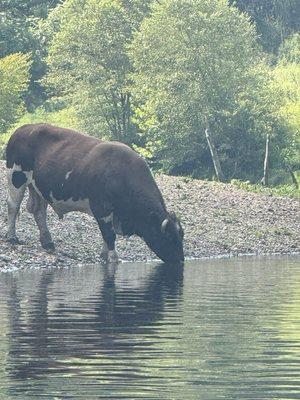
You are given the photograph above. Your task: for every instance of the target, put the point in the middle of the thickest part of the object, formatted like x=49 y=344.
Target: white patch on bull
x=18 y=168
x=117 y=226
x=37 y=189
x=68 y=174
x=62 y=207
x=108 y=218
x=14 y=200
x=115 y=222
x=104 y=250
x=109 y=255
x=112 y=257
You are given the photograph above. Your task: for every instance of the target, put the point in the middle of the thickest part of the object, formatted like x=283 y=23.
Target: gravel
x=218 y=219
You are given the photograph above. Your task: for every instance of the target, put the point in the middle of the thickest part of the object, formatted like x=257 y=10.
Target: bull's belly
x=65 y=206
x=62 y=207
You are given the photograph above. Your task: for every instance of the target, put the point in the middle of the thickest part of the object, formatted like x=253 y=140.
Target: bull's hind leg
x=38 y=207
x=17 y=182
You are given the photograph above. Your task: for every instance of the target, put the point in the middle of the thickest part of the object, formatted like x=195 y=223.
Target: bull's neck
x=155 y=212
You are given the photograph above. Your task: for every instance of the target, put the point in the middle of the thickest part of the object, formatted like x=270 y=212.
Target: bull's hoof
x=49 y=247
x=15 y=241
x=110 y=257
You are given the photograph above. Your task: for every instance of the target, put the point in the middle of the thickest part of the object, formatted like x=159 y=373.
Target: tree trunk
x=265 y=178
x=214 y=155
x=294 y=179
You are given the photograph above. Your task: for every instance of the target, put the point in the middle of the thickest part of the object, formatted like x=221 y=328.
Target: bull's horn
x=164 y=225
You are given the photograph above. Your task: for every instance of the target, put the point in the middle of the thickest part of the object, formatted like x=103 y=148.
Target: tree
x=14 y=80
x=274 y=19
x=289 y=51
x=89 y=65
x=19 y=23
x=38 y=8
x=198 y=69
x=287 y=84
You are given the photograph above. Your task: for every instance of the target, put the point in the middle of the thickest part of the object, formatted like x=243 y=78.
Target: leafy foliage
x=14 y=80
x=160 y=75
x=88 y=63
x=289 y=52
x=287 y=84
x=198 y=64
x=274 y=19
x=19 y=21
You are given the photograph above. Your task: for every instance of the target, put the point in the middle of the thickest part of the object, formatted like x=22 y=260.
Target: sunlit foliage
x=14 y=80
x=159 y=75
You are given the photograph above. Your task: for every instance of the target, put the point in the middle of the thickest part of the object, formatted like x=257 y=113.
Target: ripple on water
x=215 y=329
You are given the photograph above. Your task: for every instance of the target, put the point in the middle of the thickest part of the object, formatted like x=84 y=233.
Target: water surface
x=214 y=329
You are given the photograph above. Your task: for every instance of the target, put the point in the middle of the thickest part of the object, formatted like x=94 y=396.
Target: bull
x=71 y=171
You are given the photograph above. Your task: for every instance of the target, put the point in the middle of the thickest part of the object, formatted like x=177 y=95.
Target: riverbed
x=212 y=329
x=218 y=219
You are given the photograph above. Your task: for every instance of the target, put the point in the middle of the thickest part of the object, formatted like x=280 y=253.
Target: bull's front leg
x=108 y=253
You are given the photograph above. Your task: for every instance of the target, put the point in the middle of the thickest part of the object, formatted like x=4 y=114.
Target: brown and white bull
x=75 y=172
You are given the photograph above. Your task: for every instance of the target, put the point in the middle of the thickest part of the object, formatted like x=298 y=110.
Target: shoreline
x=10 y=269
x=220 y=221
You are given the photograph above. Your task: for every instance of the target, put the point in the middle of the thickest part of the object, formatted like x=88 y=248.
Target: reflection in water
x=217 y=329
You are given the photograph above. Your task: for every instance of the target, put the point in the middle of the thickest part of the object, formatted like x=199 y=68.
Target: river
x=213 y=329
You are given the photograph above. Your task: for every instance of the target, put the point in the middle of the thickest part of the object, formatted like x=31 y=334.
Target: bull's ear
x=164 y=225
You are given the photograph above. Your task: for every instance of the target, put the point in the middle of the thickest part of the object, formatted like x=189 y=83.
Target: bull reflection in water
x=60 y=316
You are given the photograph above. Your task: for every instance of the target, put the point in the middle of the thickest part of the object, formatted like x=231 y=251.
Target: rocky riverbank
x=218 y=219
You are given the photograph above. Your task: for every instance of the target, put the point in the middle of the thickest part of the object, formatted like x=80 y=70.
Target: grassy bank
x=287 y=190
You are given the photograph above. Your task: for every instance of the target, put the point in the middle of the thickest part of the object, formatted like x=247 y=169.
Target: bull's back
x=36 y=143
x=66 y=164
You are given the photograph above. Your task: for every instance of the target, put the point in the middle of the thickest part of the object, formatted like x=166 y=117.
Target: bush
x=14 y=81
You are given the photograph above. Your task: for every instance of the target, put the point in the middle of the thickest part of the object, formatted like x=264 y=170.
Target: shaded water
x=215 y=329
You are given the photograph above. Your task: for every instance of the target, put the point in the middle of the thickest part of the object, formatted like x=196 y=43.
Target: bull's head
x=166 y=238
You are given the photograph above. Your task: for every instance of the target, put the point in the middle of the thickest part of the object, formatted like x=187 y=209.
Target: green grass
x=281 y=231
x=281 y=190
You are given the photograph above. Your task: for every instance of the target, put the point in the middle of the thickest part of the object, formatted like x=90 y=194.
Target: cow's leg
x=38 y=207
x=108 y=251
x=16 y=190
x=104 y=251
